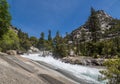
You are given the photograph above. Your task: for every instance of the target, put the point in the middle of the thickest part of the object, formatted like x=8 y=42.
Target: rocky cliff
x=83 y=33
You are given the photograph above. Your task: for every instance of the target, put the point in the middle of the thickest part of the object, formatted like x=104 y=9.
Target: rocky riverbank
x=19 y=70
x=82 y=60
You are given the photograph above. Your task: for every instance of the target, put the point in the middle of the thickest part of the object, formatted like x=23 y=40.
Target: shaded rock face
x=84 y=61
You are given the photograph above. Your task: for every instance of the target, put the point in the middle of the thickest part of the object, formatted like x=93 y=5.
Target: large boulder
x=72 y=60
x=34 y=49
x=20 y=52
x=11 y=52
x=30 y=51
x=97 y=62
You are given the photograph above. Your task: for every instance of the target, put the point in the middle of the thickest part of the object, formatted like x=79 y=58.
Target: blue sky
x=36 y=16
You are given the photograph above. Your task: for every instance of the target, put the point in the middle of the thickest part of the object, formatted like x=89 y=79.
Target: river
x=78 y=73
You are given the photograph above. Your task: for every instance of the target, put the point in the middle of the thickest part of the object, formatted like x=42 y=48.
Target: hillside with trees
x=98 y=37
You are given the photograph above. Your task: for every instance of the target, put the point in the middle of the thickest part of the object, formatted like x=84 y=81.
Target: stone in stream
x=84 y=60
x=11 y=52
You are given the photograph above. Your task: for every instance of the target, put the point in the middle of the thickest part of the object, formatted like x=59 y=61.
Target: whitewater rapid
x=85 y=73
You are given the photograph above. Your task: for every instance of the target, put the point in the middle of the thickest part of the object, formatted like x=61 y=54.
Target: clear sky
x=36 y=16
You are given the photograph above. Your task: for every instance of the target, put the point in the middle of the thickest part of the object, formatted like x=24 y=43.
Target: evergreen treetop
x=94 y=25
x=49 y=35
x=5 y=17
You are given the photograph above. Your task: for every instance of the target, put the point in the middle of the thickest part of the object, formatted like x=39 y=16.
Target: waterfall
x=88 y=74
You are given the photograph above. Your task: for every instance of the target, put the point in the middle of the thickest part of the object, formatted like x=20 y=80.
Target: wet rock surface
x=18 y=70
x=84 y=60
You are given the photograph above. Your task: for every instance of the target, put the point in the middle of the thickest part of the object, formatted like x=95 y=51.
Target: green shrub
x=113 y=71
x=9 y=41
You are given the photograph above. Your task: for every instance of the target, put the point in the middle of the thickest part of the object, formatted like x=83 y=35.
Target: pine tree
x=42 y=36
x=24 y=40
x=33 y=41
x=49 y=42
x=83 y=34
x=94 y=25
x=41 y=43
x=60 y=48
x=57 y=38
x=5 y=17
x=49 y=35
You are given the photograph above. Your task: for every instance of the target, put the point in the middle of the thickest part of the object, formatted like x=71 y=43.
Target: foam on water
x=82 y=72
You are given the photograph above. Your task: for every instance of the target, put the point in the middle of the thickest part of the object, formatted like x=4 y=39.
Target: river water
x=89 y=74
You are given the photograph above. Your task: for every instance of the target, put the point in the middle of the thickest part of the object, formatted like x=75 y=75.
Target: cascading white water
x=82 y=72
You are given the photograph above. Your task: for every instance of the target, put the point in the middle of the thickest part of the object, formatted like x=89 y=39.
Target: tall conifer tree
x=41 y=43
x=5 y=17
x=49 y=35
x=94 y=25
